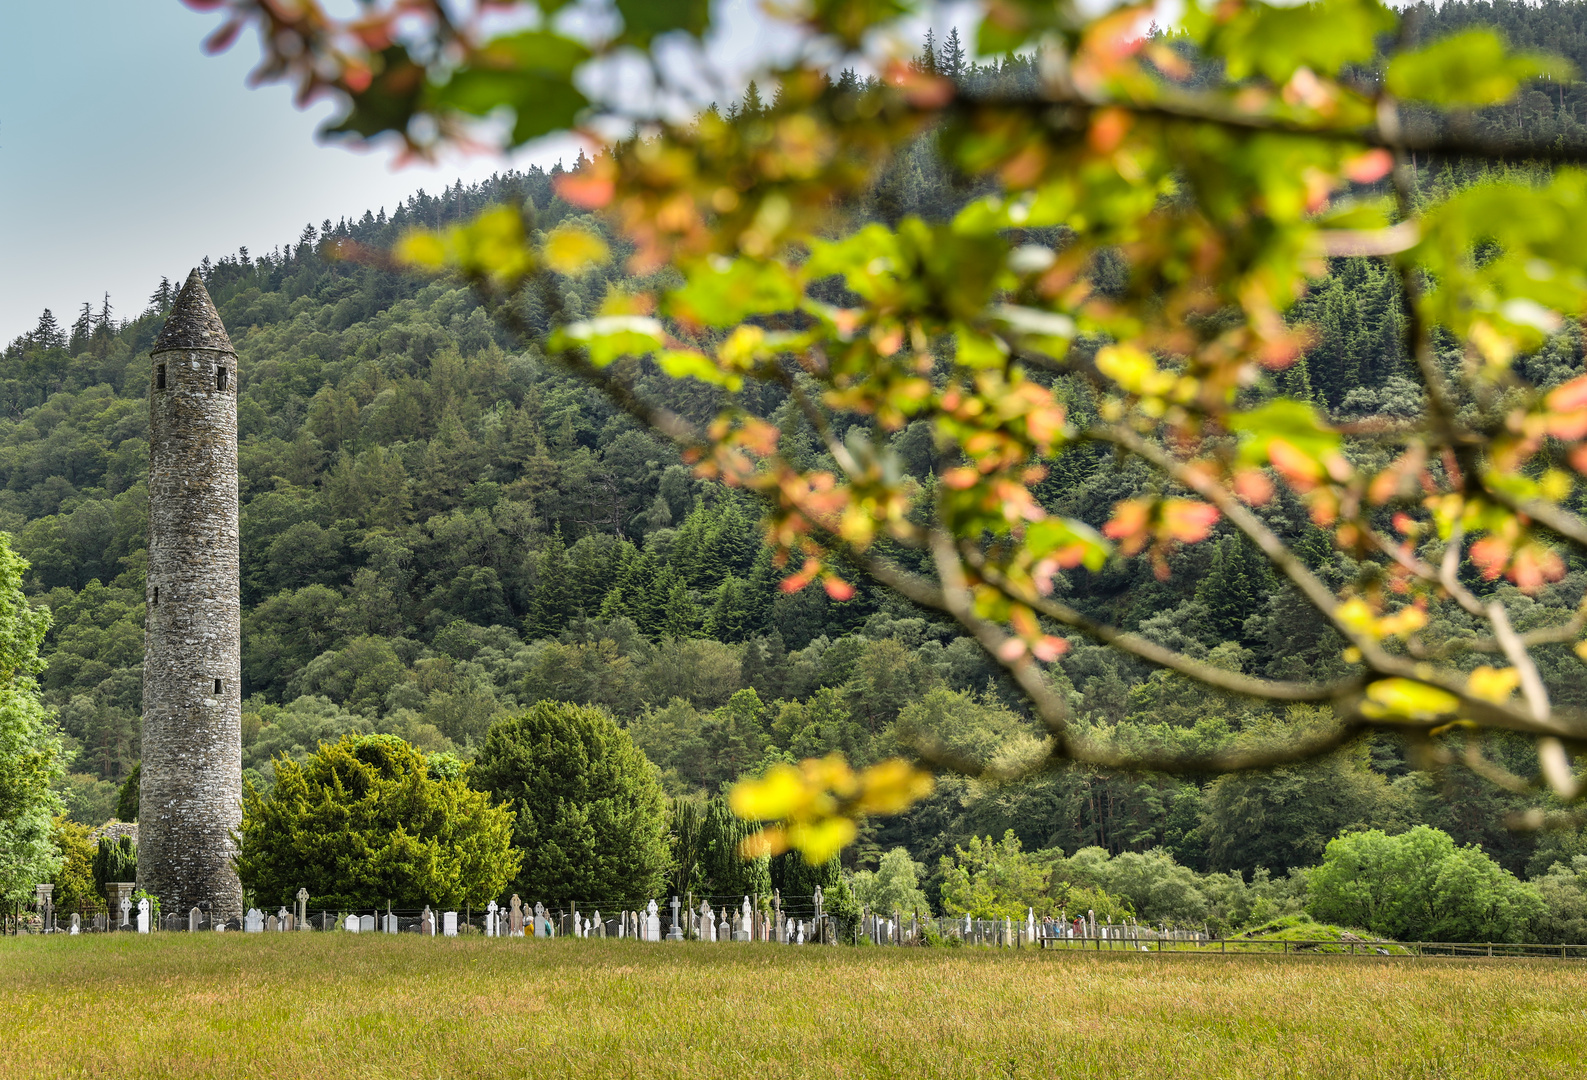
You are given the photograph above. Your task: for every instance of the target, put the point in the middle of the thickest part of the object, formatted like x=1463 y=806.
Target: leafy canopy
x=589 y=820
x=369 y=820
x=1221 y=196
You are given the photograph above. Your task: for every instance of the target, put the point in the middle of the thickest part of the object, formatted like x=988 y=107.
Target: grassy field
x=333 y=1005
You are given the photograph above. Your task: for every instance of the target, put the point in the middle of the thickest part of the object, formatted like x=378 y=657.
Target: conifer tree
x=48 y=334
x=950 y=58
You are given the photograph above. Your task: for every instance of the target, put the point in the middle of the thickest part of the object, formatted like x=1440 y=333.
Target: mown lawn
x=334 y=1005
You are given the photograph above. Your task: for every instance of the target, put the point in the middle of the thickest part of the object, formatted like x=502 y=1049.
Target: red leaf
x=1369 y=167
x=222 y=39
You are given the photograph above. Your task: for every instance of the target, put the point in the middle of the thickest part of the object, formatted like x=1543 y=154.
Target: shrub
x=367 y=820
x=589 y=818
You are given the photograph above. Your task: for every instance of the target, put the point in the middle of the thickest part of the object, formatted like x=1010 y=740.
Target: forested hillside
x=438 y=525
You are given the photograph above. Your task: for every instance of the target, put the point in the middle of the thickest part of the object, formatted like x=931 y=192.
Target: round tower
x=190 y=797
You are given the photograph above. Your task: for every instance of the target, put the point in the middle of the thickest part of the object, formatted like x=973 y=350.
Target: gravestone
x=283 y=920
x=118 y=895
x=540 y=928
x=143 y=916
x=515 y=926
x=819 y=901
x=271 y=924
x=652 y=923
x=742 y=933
x=676 y=933
x=779 y=932
x=77 y=924
x=707 y=924
x=724 y=928
x=490 y=919
x=366 y=924
x=449 y=924
x=195 y=921
x=302 y=920
x=351 y=924
x=600 y=924
x=42 y=898
x=390 y=923
x=427 y=923
x=253 y=922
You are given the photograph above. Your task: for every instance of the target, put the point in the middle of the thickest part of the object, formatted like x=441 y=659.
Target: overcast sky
x=126 y=153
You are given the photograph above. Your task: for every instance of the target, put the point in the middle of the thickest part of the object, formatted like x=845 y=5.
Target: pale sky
x=126 y=153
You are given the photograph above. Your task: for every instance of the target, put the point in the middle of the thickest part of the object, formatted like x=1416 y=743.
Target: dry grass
x=333 y=1005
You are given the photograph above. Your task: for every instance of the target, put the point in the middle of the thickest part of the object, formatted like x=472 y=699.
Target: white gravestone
x=391 y=923
x=600 y=924
x=283 y=918
x=742 y=933
x=352 y=925
x=707 y=923
x=366 y=924
x=724 y=929
x=540 y=920
x=490 y=919
x=253 y=922
x=143 y=916
x=676 y=931
x=77 y=924
x=126 y=911
x=449 y=924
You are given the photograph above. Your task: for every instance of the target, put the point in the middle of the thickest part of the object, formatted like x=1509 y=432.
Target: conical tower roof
x=193 y=322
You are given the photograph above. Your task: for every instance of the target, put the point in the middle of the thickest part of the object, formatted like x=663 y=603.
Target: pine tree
x=927 y=60
x=48 y=334
x=163 y=296
x=82 y=329
x=753 y=106
x=950 y=58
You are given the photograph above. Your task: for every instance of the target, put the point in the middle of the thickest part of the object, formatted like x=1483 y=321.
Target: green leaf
x=1044 y=537
x=611 y=336
x=1275 y=42
x=530 y=73
x=645 y=19
x=723 y=292
x=1470 y=68
x=1296 y=422
x=692 y=365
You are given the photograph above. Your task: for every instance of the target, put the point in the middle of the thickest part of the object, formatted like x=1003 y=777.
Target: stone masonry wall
x=191 y=794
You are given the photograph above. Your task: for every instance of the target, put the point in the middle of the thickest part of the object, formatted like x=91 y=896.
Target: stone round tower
x=190 y=798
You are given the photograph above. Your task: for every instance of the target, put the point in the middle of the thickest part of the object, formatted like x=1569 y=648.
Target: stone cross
x=143 y=916
x=652 y=922
x=540 y=919
x=819 y=901
x=676 y=933
x=283 y=920
x=490 y=919
x=724 y=929
x=126 y=910
x=302 y=920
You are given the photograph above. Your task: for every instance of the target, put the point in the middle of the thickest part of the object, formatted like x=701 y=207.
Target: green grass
x=333 y=1005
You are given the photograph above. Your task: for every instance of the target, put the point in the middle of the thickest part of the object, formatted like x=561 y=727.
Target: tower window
x=159 y=376
x=156 y=594
x=220 y=378
x=217 y=688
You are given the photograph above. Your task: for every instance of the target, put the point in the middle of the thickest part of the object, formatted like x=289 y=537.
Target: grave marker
x=366 y=924
x=143 y=916
x=449 y=924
